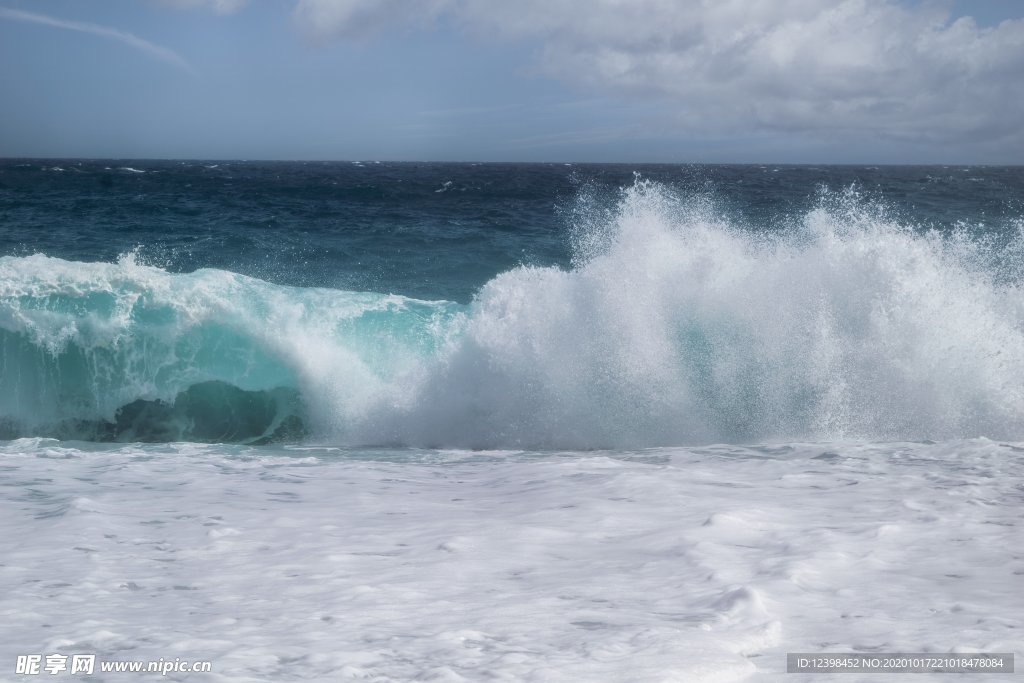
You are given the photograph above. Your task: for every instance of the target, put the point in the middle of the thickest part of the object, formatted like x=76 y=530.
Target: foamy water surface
x=701 y=564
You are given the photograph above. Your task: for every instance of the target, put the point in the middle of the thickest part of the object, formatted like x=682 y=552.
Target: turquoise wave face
x=125 y=351
x=673 y=327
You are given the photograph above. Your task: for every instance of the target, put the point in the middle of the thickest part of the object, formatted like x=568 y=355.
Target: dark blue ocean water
x=435 y=231
x=509 y=305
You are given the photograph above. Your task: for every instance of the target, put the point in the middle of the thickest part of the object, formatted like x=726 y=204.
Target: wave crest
x=675 y=325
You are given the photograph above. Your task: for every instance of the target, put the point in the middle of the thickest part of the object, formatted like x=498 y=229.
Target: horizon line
x=481 y=162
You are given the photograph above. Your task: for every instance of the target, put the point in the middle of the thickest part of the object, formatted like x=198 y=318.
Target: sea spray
x=675 y=325
x=678 y=327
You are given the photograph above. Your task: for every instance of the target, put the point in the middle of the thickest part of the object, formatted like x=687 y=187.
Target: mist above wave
x=678 y=326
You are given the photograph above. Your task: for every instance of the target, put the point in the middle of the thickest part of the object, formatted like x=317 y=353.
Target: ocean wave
x=674 y=326
x=108 y=351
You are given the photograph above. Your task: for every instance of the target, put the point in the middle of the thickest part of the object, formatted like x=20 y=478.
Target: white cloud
x=856 y=67
x=218 y=6
x=324 y=19
x=162 y=53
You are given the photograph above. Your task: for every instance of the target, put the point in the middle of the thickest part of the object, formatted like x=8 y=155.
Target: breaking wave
x=675 y=325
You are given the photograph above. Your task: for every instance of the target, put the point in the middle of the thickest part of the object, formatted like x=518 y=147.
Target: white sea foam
x=664 y=565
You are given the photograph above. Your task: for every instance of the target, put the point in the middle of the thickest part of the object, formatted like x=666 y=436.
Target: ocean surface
x=545 y=422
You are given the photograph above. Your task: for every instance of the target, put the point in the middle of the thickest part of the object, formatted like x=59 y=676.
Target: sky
x=783 y=81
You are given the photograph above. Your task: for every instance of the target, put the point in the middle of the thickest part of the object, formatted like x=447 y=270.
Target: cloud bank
x=901 y=72
x=162 y=53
